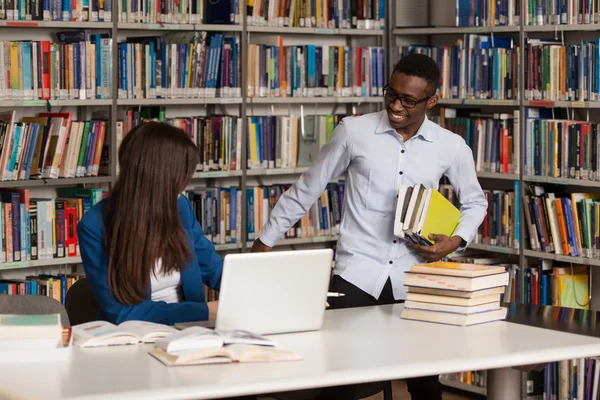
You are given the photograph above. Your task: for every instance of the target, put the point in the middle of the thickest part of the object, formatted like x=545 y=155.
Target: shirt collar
x=424 y=130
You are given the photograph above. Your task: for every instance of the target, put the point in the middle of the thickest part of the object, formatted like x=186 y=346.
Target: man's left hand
x=443 y=246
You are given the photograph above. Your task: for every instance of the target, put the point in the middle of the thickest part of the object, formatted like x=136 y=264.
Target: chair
x=81 y=303
x=32 y=304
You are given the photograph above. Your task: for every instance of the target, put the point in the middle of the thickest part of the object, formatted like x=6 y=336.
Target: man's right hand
x=260 y=247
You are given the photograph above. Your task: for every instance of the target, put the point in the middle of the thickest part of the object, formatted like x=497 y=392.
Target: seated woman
x=143 y=251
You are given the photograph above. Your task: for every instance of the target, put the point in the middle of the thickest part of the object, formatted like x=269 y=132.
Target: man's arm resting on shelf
x=332 y=161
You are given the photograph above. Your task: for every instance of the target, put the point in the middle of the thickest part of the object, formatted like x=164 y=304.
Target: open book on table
x=199 y=345
x=103 y=333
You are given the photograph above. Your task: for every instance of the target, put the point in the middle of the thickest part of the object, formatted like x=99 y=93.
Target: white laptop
x=274 y=292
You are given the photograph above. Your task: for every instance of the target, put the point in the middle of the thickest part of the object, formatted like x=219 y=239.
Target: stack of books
x=455 y=293
x=34 y=338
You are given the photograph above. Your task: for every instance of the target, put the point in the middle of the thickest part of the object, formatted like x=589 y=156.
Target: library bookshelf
x=525 y=29
x=243 y=106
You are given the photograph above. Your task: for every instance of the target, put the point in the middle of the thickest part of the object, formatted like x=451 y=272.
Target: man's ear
x=432 y=102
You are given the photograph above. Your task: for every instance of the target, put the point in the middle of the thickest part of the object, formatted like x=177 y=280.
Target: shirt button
x=391 y=262
x=402 y=151
x=401 y=172
x=395 y=241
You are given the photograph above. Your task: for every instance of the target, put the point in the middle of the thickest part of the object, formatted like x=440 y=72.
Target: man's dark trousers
x=423 y=388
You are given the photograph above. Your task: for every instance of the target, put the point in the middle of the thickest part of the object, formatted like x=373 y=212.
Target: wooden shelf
x=217 y=174
x=562 y=104
x=56 y=182
x=315 y=31
x=276 y=171
x=178 y=27
x=494 y=249
x=565 y=28
x=292 y=242
x=561 y=181
x=498 y=175
x=56 y=24
x=227 y=246
x=560 y=258
x=456 y=30
x=313 y=100
x=40 y=263
x=55 y=103
x=463 y=386
x=476 y=102
x=167 y=102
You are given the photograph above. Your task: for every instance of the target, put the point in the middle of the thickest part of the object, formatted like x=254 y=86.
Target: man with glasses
x=378 y=152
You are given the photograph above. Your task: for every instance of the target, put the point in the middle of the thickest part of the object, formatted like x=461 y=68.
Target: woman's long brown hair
x=141 y=221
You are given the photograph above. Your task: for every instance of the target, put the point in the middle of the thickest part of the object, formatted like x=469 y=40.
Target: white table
x=354 y=346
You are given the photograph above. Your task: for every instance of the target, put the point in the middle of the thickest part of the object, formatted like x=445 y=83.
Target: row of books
x=561 y=148
x=218 y=137
x=51 y=146
x=323 y=219
x=219 y=212
x=501 y=224
x=50 y=285
x=563 y=225
x=275 y=70
x=475 y=378
x=537 y=12
x=562 y=12
x=561 y=72
x=493 y=137
x=78 y=66
x=42 y=228
x=488 y=12
x=327 y=14
x=56 y=10
x=288 y=141
x=180 y=12
x=179 y=67
x=476 y=67
x=575 y=379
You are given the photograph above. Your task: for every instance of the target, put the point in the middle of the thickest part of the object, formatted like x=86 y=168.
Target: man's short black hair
x=420 y=65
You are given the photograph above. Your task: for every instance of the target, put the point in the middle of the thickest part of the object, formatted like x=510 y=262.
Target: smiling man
x=378 y=152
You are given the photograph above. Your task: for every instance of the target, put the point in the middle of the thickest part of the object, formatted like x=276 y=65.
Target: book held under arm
x=421 y=211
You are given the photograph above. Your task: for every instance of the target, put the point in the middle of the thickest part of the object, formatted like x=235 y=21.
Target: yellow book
x=442 y=217
x=572 y=287
x=457 y=269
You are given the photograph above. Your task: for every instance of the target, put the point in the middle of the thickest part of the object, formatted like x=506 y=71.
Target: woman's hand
x=213 y=307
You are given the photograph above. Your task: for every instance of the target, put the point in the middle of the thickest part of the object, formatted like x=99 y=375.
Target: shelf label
x=541 y=103
x=35 y=103
x=172 y=27
x=22 y=23
x=213 y=174
x=231 y=100
x=318 y=239
x=578 y=104
x=280 y=171
x=323 y=31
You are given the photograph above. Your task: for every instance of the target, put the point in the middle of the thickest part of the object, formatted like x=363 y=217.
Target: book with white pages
x=199 y=338
x=448 y=308
x=103 y=333
x=453 y=301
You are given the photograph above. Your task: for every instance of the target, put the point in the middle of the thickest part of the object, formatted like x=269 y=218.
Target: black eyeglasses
x=390 y=96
